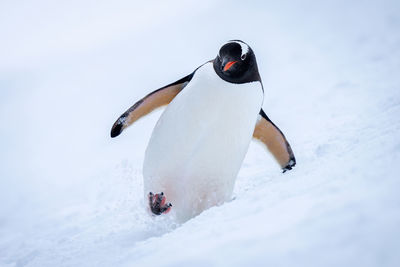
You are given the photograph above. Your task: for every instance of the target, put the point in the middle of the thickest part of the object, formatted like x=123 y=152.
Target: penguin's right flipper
x=147 y=104
x=275 y=141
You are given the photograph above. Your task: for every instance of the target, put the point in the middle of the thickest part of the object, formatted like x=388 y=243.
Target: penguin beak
x=229 y=65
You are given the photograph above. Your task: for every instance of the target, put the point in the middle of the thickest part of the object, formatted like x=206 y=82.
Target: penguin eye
x=243 y=57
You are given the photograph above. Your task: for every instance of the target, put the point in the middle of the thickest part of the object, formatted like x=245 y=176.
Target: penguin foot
x=157 y=204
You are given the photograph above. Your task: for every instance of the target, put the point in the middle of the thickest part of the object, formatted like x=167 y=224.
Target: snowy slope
x=72 y=196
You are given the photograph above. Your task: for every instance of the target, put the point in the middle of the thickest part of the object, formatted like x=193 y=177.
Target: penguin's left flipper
x=275 y=141
x=147 y=104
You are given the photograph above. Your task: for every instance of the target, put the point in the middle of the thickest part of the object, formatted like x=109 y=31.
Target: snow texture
x=72 y=196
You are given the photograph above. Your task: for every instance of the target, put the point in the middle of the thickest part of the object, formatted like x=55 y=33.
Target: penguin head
x=236 y=63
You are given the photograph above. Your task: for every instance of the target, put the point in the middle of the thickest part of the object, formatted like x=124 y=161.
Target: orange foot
x=157 y=204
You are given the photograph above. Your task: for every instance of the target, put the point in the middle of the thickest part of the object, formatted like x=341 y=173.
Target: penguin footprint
x=157 y=204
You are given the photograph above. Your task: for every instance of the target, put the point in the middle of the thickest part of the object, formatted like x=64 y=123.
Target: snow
x=72 y=196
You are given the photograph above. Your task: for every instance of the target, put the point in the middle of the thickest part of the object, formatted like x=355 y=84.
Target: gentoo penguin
x=199 y=142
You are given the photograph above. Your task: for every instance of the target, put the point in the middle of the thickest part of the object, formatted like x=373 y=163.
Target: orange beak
x=229 y=65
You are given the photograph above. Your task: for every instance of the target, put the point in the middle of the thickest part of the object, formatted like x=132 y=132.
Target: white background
x=72 y=196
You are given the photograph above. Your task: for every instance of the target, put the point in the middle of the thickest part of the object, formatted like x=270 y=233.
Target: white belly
x=199 y=142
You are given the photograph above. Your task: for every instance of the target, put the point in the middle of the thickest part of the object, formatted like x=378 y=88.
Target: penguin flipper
x=147 y=104
x=275 y=141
